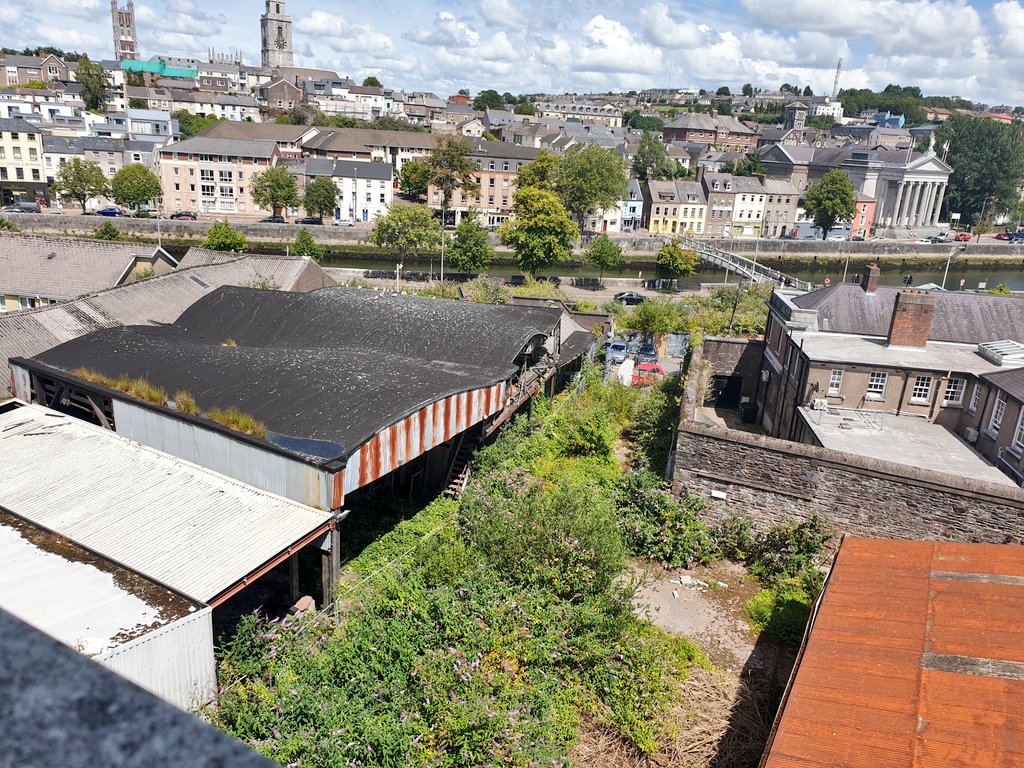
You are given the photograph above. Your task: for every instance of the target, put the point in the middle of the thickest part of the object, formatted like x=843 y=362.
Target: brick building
x=724 y=132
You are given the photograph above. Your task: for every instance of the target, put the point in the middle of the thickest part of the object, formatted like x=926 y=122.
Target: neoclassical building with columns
x=908 y=187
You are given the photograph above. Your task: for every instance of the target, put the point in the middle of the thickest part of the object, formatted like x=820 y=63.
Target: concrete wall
x=771 y=480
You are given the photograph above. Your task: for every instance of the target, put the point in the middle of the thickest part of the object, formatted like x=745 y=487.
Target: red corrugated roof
x=915 y=658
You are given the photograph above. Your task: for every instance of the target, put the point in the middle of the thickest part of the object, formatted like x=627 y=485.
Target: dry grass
x=138 y=387
x=232 y=418
x=186 y=403
x=718 y=722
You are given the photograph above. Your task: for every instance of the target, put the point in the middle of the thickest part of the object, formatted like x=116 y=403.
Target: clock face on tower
x=280 y=43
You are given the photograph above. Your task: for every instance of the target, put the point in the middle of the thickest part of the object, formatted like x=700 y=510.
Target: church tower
x=276 y=29
x=126 y=42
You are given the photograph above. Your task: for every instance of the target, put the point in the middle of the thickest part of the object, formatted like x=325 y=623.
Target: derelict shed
x=351 y=384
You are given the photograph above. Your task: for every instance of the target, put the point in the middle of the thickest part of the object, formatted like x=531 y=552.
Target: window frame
x=873 y=391
x=921 y=390
x=960 y=390
x=995 y=419
x=835 y=387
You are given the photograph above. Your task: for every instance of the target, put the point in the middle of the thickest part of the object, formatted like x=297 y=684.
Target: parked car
x=923 y=241
x=186 y=215
x=1003 y=236
x=647 y=354
x=857 y=239
x=962 y=237
x=310 y=220
x=647 y=374
x=938 y=239
x=617 y=351
x=110 y=211
x=273 y=220
x=26 y=206
x=879 y=239
x=343 y=223
x=630 y=298
x=836 y=238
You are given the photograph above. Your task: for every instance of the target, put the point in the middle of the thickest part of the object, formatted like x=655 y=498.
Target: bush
x=305 y=246
x=657 y=417
x=233 y=418
x=789 y=551
x=6 y=225
x=487 y=290
x=222 y=237
x=439 y=291
x=782 y=611
x=106 y=231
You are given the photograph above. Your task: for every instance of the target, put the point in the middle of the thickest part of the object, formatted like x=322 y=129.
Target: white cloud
x=500 y=13
x=663 y=30
x=341 y=35
x=603 y=45
x=447 y=30
x=81 y=9
x=67 y=38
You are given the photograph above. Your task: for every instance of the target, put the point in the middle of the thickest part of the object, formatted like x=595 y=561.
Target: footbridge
x=741 y=265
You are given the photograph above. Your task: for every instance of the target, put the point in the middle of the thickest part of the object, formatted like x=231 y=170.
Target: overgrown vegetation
x=106 y=231
x=487 y=290
x=6 y=225
x=186 y=403
x=716 y=313
x=136 y=387
x=234 y=419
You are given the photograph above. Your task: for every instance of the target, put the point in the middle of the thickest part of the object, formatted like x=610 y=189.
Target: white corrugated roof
x=194 y=530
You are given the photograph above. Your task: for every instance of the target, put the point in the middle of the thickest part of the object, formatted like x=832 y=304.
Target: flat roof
x=904 y=439
x=914 y=658
x=179 y=524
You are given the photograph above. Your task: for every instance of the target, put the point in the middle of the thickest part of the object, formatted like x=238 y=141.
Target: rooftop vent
x=1002 y=352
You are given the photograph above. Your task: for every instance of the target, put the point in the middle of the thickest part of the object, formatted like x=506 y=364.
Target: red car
x=646 y=374
x=962 y=237
x=1003 y=236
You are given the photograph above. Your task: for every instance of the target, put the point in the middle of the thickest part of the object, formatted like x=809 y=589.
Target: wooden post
x=293 y=578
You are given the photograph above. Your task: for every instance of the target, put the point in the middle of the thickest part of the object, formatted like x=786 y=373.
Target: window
x=206 y=190
x=17 y=153
x=14 y=137
x=1018 y=433
x=876 y=385
x=35 y=174
x=997 y=414
x=225 y=176
x=175 y=171
x=3 y=154
x=205 y=175
x=19 y=173
x=32 y=154
x=835 y=381
x=954 y=392
x=975 y=394
x=922 y=391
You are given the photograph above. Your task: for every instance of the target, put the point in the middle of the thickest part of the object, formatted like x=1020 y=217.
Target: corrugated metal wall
x=263 y=469
x=174 y=662
x=418 y=433
x=21 y=383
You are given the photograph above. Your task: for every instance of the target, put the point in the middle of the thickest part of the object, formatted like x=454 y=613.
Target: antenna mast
x=835 y=85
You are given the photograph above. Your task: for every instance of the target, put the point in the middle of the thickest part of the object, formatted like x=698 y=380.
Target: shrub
x=143 y=274
x=6 y=225
x=789 y=551
x=657 y=416
x=186 y=403
x=222 y=237
x=781 y=611
x=263 y=284
x=487 y=290
x=583 y=305
x=543 y=288
x=106 y=231
x=358 y=282
x=137 y=387
x=439 y=291
x=233 y=418
x=305 y=246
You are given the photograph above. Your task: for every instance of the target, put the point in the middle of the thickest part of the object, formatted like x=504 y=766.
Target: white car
x=836 y=238
x=923 y=241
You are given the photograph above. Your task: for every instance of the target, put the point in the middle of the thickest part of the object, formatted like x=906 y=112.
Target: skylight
x=1002 y=352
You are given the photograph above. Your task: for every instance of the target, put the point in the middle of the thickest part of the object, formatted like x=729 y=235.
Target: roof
x=913 y=659
x=960 y=316
x=204 y=145
x=335 y=366
x=246 y=131
x=65 y=267
x=362 y=139
x=78 y=597
x=1011 y=382
x=363 y=170
x=182 y=525
x=154 y=301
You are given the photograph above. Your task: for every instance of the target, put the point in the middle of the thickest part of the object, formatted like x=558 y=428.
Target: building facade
x=21 y=162
x=276 y=36
x=498 y=166
x=126 y=40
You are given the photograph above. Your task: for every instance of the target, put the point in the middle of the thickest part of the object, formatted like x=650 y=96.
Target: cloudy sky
x=947 y=47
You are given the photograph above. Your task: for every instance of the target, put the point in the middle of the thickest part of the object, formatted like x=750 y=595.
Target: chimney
x=911 y=319
x=870 y=279
x=714 y=113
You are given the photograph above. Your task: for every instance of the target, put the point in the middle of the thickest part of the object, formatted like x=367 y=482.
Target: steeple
x=126 y=42
x=276 y=36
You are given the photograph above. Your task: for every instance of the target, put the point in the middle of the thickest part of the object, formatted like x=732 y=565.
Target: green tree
x=470 y=251
x=807 y=91
x=1000 y=290
x=540 y=173
x=189 y=125
x=822 y=122
x=830 y=201
x=371 y=82
x=723 y=91
x=106 y=231
x=405 y=228
x=321 y=197
x=603 y=254
x=542 y=231
x=526 y=108
x=80 y=180
x=591 y=178
x=134 y=79
x=748 y=165
x=988 y=164
x=35 y=85
x=306 y=246
x=650 y=156
x=748 y=89
x=93 y=79
x=274 y=188
x=221 y=237
x=489 y=99
x=134 y=185
x=414 y=178
x=676 y=260
x=450 y=169
x=137 y=103
x=652 y=316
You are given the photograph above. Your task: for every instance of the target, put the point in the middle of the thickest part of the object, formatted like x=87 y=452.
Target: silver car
x=617 y=351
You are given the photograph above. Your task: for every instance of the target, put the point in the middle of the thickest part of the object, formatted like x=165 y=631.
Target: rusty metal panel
x=21 y=383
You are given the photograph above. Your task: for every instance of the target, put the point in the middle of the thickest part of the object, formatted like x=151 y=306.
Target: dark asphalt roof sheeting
x=335 y=366
x=1011 y=382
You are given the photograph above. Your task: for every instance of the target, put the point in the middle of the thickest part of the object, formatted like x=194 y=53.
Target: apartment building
x=498 y=166
x=212 y=176
x=674 y=208
x=21 y=161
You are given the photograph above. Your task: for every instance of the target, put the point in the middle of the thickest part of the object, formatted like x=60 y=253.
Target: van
x=25 y=206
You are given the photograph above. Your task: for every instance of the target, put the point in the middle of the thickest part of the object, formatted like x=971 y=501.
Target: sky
x=947 y=47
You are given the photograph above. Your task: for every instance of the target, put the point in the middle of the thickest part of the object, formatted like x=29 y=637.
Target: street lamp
x=982 y=218
x=949 y=258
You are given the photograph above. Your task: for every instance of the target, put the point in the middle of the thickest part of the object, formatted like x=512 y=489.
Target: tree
x=137 y=103
x=603 y=254
x=371 y=82
x=591 y=178
x=93 y=79
x=649 y=157
x=541 y=232
x=274 y=188
x=449 y=169
x=489 y=99
x=831 y=200
x=508 y=98
x=189 y=125
x=464 y=92
x=808 y=91
x=526 y=108
x=80 y=180
x=134 y=185
x=657 y=315
x=676 y=260
x=306 y=246
x=822 y=122
x=414 y=178
x=321 y=197
x=723 y=91
x=35 y=85
x=748 y=89
x=788 y=87
x=406 y=227
x=540 y=173
x=988 y=162
x=221 y=237
x=470 y=251
x=748 y=165
x=106 y=231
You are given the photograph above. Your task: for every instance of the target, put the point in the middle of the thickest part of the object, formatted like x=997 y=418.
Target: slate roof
x=204 y=145
x=240 y=129
x=1011 y=382
x=334 y=366
x=361 y=139
x=64 y=267
x=699 y=121
x=967 y=318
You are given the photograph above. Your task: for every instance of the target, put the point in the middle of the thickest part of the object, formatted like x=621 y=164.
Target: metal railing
x=741 y=265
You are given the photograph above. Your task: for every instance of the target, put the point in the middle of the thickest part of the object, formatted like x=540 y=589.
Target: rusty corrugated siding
x=416 y=434
x=866 y=693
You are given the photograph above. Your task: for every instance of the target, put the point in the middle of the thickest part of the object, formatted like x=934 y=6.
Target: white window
x=922 y=391
x=876 y=385
x=835 y=381
x=997 y=414
x=954 y=392
x=1018 y=433
x=975 y=395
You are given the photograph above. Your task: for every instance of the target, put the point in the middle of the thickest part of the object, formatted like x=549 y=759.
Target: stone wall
x=772 y=480
x=735 y=357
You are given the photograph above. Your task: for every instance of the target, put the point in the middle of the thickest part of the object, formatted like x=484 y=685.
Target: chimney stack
x=714 y=113
x=870 y=280
x=912 y=317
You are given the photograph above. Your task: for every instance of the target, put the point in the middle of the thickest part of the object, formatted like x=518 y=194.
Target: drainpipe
x=903 y=392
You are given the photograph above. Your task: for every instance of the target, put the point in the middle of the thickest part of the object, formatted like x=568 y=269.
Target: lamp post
x=949 y=258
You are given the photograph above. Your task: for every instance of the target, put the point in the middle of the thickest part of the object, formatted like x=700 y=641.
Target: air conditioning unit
x=971 y=435
x=819 y=404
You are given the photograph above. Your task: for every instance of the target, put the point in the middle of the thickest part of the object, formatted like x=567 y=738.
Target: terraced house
x=674 y=207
